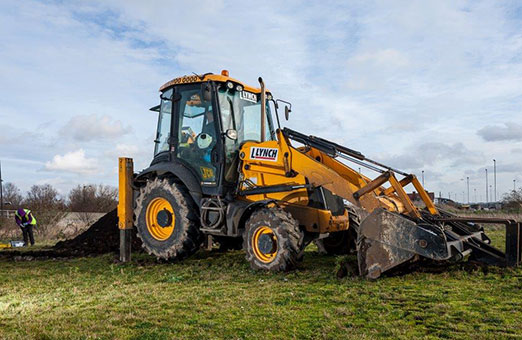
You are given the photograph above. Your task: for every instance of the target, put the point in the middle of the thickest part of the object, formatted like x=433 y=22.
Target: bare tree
x=43 y=197
x=93 y=198
x=13 y=195
x=87 y=199
x=513 y=200
x=106 y=198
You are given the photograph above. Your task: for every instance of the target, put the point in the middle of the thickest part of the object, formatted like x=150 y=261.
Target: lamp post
x=514 y=181
x=467 y=180
x=487 y=186
x=475 y=190
x=495 y=178
x=422 y=177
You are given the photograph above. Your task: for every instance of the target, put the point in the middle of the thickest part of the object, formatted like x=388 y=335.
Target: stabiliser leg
x=125 y=207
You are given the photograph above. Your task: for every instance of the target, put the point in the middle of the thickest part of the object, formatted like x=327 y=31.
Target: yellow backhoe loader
x=221 y=167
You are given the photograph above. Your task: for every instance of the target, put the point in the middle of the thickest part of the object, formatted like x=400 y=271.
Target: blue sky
x=421 y=85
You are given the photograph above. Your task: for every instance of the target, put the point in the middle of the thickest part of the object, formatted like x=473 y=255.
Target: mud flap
x=388 y=239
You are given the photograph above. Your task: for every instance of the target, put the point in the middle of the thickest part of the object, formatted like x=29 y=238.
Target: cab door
x=197 y=137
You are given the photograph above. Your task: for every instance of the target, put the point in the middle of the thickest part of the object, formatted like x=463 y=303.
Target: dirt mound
x=102 y=237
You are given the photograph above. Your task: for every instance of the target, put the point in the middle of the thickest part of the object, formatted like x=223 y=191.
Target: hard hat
x=204 y=140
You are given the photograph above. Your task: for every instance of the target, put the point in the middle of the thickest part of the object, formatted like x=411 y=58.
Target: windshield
x=241 y=111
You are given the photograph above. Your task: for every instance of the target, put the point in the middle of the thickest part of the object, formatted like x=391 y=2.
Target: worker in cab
x=27 y=222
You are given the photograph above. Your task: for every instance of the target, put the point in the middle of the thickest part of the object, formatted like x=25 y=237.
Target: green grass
x=217 y=295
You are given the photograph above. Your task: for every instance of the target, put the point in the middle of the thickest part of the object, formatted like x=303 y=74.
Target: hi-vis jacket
x=27 y=218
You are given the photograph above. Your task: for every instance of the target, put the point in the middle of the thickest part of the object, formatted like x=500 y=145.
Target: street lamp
x=487 y=186
x=495 y=177
x=422 y=177
x=514 y=189
x=467 y=180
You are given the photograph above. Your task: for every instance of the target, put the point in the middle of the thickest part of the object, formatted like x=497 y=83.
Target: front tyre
x=166 y=220
x=272 y=240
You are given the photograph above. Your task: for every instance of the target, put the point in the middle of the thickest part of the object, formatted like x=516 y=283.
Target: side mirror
x=206 y=93
x=287 y=112
x=232 y=134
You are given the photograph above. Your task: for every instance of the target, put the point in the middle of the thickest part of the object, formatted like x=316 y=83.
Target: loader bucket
x=387 y=239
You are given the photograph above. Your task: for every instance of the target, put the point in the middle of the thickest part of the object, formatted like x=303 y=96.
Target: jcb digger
x=223 y=168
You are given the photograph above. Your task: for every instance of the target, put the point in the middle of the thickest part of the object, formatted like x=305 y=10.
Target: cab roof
x=206 y=77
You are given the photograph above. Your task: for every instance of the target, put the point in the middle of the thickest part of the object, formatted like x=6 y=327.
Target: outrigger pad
x=388 y=239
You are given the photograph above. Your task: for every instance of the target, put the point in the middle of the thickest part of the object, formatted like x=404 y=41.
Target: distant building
x=442 y=200
x=414 y=196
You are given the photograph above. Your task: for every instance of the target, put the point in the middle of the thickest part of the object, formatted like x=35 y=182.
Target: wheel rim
x=264 y=244
x=160 y=219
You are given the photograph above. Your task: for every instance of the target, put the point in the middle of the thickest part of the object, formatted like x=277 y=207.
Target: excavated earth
x=102 y=237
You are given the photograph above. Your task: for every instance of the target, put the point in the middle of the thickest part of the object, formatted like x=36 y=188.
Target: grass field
x=216 y=295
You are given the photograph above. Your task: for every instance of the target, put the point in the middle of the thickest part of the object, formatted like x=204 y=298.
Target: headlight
x=230 y=85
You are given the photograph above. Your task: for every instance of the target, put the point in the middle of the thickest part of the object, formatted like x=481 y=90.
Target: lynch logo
x=248 y=96
x=265 y=154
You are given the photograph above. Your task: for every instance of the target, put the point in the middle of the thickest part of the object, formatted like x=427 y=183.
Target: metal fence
x=7 y=213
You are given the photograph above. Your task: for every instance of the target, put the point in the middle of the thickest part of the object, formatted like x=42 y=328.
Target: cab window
x=197 y=135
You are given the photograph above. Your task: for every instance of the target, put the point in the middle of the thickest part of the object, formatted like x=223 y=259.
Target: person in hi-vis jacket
x=25 y=219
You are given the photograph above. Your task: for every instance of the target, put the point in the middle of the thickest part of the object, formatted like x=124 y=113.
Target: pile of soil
x=102 y=237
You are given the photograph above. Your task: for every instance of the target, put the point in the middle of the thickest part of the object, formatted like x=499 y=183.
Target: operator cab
x=203 y=121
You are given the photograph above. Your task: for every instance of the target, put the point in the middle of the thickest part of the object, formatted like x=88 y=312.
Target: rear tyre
x=166 y=220
x=272 y=240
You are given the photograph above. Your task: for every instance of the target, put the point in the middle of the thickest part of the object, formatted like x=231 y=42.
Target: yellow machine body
x=310 y=166
x=276 y=197
x=5 y=245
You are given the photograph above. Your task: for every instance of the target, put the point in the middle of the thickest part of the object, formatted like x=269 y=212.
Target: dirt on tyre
x=166 y=220
x=272 y=240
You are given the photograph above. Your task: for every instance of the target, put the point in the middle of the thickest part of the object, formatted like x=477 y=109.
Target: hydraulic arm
x=393 y=230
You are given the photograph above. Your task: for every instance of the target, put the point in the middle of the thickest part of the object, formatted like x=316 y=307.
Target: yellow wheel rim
x=264 y=244
x=160 y=219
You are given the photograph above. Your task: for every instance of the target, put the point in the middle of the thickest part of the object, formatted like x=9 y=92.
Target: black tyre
x=341 y=242
x=272 y=240
x=167 y=221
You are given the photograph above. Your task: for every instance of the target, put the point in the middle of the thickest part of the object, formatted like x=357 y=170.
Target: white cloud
x=140 y=153
x=84 y=128
x=510 y=131
x=433 y=154
x=381 y=78
x=74 y=162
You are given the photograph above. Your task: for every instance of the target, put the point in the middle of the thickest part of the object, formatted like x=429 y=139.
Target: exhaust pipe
x=263 y=109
